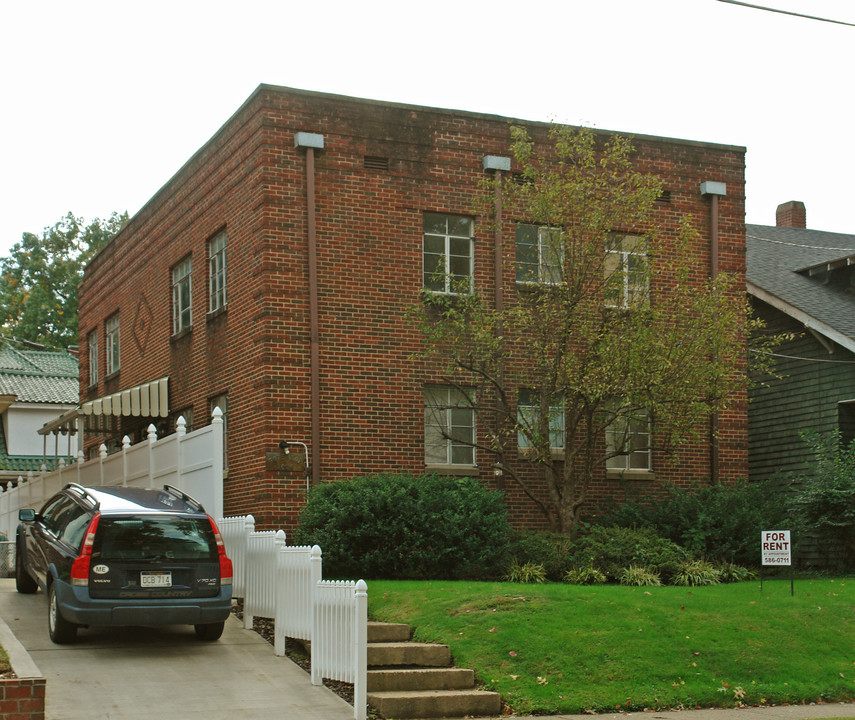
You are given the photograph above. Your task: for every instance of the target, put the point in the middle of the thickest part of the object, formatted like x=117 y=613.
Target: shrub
x=823 y=499
x=551 y=550
x=639 y=576
x=697 y=573
x=730 y=572
x=406 y=527
x=526 y=573
x=611 y=549
x=584 y=576
x=714 y=521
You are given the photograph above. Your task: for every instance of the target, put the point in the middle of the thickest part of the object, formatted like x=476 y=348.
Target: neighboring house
x=35 y=387
x=801 y=282
x=272 y=276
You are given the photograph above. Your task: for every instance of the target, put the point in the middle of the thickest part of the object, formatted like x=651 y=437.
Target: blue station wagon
x=122 y=556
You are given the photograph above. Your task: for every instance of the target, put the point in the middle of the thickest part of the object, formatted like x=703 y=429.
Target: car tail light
x=80 y=566
x=226 y=571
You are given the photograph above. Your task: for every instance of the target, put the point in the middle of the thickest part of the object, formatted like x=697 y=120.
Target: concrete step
x=435 y=703
x=388 y=632
x=408 y=653
x=450 y=678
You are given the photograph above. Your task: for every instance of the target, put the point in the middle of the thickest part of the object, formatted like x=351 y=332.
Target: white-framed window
x=222 y=402
x=448 y=253
x=628 y=441
x=182 y=305
x=93 y=357
x=217 y=272
x=449 y=427
x=528 y=415
x=539 y=254
x=626 y=272
x=111 y=333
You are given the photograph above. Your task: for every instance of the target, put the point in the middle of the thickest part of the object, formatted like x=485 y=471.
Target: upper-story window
x=93 y=357
x=111 y=333
x=626 y=271
x=217 y=271
x=448 y=257
x=628 y=441
x=539 y=254
x=182 y=307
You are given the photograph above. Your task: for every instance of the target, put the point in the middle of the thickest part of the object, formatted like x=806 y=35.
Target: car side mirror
x=27 y=515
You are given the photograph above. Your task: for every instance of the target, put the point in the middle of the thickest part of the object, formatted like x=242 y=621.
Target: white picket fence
x=284 y=583
x=191 y=462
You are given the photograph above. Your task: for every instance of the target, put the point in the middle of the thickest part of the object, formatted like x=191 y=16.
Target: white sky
x=104 y=101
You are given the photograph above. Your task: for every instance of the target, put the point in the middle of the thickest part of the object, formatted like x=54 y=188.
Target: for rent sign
x=776 y=548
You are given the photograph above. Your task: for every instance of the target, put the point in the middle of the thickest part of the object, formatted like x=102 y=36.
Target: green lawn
x=558 y=648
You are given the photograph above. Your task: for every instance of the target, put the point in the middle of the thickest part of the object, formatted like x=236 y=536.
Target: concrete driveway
x=140 y=673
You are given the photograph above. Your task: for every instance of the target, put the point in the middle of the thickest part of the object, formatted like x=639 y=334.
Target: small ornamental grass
x=697 y=573
x=526 y=573
x=639 y=577
x=585 y=576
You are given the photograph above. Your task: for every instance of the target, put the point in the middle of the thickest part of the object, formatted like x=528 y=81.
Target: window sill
x=554 y=453
x=181 y=334
x=630 y=475
x=438 y=297
x=215 y=314
x=459 y=470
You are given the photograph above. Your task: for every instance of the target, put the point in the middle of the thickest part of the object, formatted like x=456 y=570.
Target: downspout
x=498 y=165
x=715 y=190
x=312 y=142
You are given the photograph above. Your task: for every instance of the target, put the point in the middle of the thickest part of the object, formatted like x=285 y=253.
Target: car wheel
x=209 y=631
x=24 y=582
x=61 y=631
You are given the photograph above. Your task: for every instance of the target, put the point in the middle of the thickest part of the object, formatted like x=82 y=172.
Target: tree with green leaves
x=615 y=344
x=39 y=279
x=822 y=498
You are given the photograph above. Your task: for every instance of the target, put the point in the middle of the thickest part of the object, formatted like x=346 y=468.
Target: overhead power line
x=787 y=12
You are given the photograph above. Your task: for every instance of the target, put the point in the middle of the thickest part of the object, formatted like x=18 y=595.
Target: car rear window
x=155 y=538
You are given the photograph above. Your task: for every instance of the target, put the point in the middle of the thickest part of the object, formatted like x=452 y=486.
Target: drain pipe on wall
x=497 y=165
x=714 y=190
x=312 y=142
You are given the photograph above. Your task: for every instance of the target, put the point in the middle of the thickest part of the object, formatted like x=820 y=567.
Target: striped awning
x=150 y=399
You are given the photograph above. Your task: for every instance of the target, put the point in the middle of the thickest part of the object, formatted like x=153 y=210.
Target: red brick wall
x=22 y=698
x=250 y=179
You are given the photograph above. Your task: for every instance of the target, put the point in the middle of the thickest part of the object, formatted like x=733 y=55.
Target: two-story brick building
x=271 y=276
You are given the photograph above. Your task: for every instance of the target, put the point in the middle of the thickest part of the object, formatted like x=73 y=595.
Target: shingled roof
x=791 y=268
x=36 y=376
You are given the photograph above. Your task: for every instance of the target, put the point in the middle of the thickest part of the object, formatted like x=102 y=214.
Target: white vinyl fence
x=284 y=583
x=191 y=462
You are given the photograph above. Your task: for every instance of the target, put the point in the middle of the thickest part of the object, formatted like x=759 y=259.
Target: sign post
x=776 y=549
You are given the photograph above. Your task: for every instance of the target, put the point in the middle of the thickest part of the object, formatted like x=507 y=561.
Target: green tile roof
x=36 y=376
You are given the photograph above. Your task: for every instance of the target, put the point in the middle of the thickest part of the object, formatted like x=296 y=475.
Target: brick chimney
x=791 y=214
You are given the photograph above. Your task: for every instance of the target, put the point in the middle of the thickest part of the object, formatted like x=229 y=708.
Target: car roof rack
x=83 y=495
x=188 y=500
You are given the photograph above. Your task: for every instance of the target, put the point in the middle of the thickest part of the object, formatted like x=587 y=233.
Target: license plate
x=154 y=578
